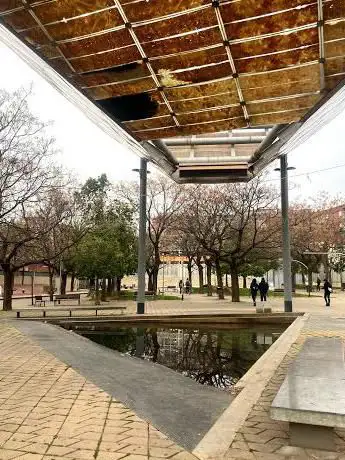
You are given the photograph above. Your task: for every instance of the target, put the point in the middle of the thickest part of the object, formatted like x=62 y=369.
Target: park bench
x=59 y=297
x=39 y=301
x=147 y=294
x=168 y=289
x=312 y=396
x=45 y=311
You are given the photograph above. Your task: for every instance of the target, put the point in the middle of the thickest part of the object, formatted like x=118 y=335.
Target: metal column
x=142 y=238
x=286 y=234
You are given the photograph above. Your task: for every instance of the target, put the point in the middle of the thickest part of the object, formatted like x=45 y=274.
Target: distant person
x=188 y=286
x=254 y=287
x=318 y=284
x=180 y=286
x=327 y=289
x=263 y=288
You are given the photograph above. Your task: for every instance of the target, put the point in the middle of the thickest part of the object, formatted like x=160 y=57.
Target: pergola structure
x=184 y=70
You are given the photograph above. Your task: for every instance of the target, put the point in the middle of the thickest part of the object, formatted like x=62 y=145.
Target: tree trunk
x=51 y=283
x=23 y=276
x=72 y=281
x=244 y=282
x=220 y=286
x=103 y=291
x=97 y=299
x=189 y=268
x=150 y=286
x=293 y=280
x=109 y=286
x=201 y=278
x=155 y=278
x=226 y=280
x=8 y=287
x=118 y=284
x=63 y=283
x=235 y=289
x=303 y=278
x=209 y=278
x=310 y=279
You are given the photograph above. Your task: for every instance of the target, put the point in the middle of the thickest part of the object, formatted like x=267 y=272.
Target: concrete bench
x=312 y=396
x=63 y=309
x=147 y=294
x=60 y=297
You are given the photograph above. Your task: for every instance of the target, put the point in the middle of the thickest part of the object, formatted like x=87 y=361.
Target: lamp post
x=284 y=192
x=142 y=236
x=306 y=267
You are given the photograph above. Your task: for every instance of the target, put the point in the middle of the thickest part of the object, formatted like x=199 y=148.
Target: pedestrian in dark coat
x=254 y=287
x=327 y=289
x=263 y=288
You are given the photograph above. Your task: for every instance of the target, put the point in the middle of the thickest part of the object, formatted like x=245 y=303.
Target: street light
x=286 y=232
x=306 y=267
x=142 y=236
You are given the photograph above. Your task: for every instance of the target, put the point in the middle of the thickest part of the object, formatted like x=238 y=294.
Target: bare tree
x=230 y=222
x=27 y=173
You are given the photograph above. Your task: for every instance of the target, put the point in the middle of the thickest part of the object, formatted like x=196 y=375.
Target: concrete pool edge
x=218 y=439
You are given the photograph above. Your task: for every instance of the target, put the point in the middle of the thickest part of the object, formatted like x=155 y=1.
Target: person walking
x=263 y=288
x=254 y=287
x=318 y=284
x=188 y=286
x=327 y=289
x=180 y=286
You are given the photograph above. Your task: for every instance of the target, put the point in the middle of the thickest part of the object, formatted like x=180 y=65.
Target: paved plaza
x=51 y=407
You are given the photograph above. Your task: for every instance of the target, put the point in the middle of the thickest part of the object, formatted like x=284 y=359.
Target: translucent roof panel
x=179 y=68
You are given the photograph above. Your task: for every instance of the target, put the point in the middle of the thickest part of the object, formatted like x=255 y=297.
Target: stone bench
x=312 y=396
x=45 y=311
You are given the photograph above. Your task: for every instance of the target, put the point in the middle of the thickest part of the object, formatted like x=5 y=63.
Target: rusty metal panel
x=283 y=104
x=65 y=9
x=182 y=43
x=243 y=9
x=277 y=118
x=332 y=82
x=35 y=37
x=267 y=24
x=85 y=25
x=133 y=72
x=185 y=92
x=205 y=102
x=335 y=65
x=150 y=123
x=213 y=127
x=104 y=42
x=275 y=44
x=335 y=49
x=295 y=80
x=179 y=24
x=6 y=5
x=143 y=10
x=333 y=31
x=192 y=59
x=335 y=9
x=121 y=89
x=278 y=61
x=20 y=20
x=194 y=76
x=209 y=115
x=106 y=60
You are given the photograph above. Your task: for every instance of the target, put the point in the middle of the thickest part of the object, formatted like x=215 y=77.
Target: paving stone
x=240 y=454
x=322 y=455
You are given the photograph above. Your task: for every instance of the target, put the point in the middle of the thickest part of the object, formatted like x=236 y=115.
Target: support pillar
x=286 y=234
x=142 y=238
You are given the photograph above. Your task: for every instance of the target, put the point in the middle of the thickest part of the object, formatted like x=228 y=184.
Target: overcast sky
x=87 y=151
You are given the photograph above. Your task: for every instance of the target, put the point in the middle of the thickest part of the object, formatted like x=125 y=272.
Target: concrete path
x=49 y=412
x=181 y=408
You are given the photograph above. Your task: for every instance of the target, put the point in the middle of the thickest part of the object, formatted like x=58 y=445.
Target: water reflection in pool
x=211 y=357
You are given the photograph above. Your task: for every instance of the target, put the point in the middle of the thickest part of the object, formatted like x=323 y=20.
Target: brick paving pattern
x=260 y=437
x=48 y=411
